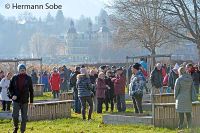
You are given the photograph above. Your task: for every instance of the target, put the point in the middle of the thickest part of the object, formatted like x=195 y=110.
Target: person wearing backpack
x=6 y=101
x=21 y=93
x=136 y=87
x=73 y=79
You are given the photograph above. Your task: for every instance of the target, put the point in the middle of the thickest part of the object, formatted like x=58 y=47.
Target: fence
x=165 y=115
x=50 y=110
x=163 y=98
x=66 y=96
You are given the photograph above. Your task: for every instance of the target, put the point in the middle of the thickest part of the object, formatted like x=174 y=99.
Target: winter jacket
x=83 y=85
x=163 y=72
x=45 y=79
x=100 y=88
x=119 y=85
x=156 y=78
x=109 y=92
x=23 y=94
x=144 y=72
x=196 y=77
x=172 y=79
x=137 y=83
x=34 y=78
x=183 y=93
x=4 y=83
x=73 y=78
x=55 y=81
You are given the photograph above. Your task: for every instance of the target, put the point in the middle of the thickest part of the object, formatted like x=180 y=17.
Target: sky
x=70 y=8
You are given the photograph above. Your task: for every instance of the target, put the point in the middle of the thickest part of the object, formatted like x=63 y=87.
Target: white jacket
x=4 y=84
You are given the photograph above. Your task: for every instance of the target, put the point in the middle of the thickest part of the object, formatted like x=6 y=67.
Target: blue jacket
x=83 y=85
x=137 y=84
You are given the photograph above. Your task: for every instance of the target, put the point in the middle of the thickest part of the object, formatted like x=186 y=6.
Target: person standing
x=1 y=77
x=183 y=97
x=93 y=76
x=84 y=92
x=55 y=83
x=6 y=101
x=109 y=92
x=136 y=87
x=100 y=91
x=62 y=79
x=34 y=77
x=196 y=79
x=45 y=81
x=156 y=79
x=173 y=75
x=73 y=80
x=21 y=93
x=119 y=89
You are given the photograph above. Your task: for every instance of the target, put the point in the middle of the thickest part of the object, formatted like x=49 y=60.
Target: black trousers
x=83 y=101
x=6 y=105
x=100 y=102
x=109 y=99
x=24 y=109
x=137 y=102
x=181 y=120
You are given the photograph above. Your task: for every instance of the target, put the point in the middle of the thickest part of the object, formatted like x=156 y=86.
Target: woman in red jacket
x=55 y=83
x=100 y=91
x=119 y=89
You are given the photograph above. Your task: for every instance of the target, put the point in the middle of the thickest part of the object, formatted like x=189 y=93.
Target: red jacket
x=163 y=72
x=119 y=85
x=100 y=88
x=144 y=72
x=55 y=81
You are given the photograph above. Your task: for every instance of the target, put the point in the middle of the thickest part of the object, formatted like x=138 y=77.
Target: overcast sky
x=71 y=8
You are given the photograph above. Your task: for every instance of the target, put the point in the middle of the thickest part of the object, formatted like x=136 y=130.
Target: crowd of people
x=104 y=85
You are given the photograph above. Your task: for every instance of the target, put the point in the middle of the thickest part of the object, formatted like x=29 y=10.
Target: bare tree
x=137 y=20
x=184 y=18
x=41 y=45
x=35 y=44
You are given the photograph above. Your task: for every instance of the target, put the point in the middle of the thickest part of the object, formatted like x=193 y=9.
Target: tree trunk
x=198 y=47
x=153 y=53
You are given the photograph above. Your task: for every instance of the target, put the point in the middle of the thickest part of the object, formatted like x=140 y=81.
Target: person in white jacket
x=6 y=101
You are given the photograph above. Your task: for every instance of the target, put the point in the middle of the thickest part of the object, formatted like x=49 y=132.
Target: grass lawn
x=76 y=125
x=46 y=96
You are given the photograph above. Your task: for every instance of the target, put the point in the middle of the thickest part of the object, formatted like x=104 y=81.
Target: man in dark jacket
x=173 y=75
x=20 y=91
x=156 y=79
x=73 y=80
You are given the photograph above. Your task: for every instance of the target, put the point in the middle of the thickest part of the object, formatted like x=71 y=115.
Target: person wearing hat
x=119 y=89
x=21 y=93
x=136 y=87
x=173 y=75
